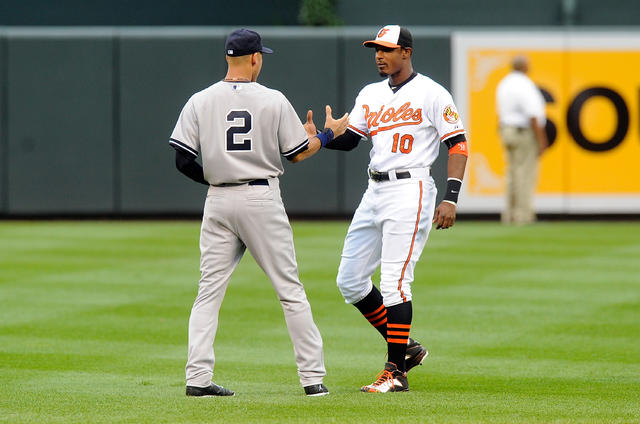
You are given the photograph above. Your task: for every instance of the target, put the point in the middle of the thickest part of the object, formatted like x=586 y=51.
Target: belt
x=517 y=128
x=400 y=175
x=261 y=181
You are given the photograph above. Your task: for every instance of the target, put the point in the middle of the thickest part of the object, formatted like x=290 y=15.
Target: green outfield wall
x=85 y=114
x=319 y=12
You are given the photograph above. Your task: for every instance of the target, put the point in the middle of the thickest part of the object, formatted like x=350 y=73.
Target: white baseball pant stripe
x=389 y=229
x=251 y=216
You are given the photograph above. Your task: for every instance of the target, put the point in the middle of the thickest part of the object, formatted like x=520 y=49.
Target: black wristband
x=453 y=189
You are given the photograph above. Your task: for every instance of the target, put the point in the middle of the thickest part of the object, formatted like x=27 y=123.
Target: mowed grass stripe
x=529 y=324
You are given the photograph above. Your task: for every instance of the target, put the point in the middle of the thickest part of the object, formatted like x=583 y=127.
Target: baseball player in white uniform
x=406 y=116
x=241 y=129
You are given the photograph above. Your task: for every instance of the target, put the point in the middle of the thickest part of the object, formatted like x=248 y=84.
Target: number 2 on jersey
x=243 y=128
x=405 y=143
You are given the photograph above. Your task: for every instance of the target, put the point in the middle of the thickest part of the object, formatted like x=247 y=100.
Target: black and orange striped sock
x=374 y=311
x=398 y=328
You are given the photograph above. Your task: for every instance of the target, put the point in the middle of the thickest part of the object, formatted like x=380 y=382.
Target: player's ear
x=407 y=52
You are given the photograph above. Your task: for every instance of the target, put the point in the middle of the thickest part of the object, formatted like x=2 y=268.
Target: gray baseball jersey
x=239 y=143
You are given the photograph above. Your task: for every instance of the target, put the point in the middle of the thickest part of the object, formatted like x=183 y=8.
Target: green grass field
x=537 y=324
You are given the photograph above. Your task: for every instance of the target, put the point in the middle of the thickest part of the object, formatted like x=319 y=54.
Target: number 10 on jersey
x=405 y=143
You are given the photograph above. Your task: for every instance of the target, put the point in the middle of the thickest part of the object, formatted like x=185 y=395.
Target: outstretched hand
x=310 y=126
x=338 y=126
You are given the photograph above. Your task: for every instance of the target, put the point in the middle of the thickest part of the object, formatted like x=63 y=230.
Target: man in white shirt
x=522 y=129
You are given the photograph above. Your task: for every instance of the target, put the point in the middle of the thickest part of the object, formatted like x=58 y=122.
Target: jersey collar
x=395 y=88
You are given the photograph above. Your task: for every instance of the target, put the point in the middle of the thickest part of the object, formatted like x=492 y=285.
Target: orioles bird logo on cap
x=382 y=32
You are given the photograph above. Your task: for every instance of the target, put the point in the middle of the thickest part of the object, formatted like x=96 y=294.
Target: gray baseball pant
x=253 y=217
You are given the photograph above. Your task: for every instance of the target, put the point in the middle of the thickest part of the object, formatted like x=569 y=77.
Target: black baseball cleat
x=415 y=354
x=212 y=390
x=316 y=390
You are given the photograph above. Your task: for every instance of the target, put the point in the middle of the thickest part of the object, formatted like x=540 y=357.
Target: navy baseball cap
x=244 y=41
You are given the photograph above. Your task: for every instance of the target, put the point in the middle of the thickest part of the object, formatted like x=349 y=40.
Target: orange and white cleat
x=390 y=380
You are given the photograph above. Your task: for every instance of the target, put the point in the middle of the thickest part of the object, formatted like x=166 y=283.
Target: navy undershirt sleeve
x=186 y=163
x=347 y=141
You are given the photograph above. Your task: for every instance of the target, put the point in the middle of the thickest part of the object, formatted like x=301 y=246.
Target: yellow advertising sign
x=593 y=109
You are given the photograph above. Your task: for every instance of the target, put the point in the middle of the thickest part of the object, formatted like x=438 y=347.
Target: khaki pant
x=253 y=217
x=521 y=149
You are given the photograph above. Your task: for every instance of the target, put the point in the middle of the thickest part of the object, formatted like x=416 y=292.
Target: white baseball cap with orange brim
x=391 y=36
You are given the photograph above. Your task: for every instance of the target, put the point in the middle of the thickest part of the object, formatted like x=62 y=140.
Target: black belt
x=384 y=176
x=261 y=181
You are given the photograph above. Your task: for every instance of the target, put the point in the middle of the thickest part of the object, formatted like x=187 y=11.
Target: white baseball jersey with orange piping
x=391 y=225
x=407 y=126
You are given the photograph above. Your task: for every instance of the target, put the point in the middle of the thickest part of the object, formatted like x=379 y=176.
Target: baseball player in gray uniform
x=241 y=129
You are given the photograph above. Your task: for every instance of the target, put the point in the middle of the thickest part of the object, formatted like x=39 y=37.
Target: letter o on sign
x=573 y=119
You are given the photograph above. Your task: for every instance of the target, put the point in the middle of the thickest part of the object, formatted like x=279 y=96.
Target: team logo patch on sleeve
x=450 y=114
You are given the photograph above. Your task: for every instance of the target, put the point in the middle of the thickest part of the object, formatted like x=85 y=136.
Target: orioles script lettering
x=404 y=113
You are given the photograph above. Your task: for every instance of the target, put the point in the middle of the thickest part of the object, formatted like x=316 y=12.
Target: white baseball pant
x=389 y=229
